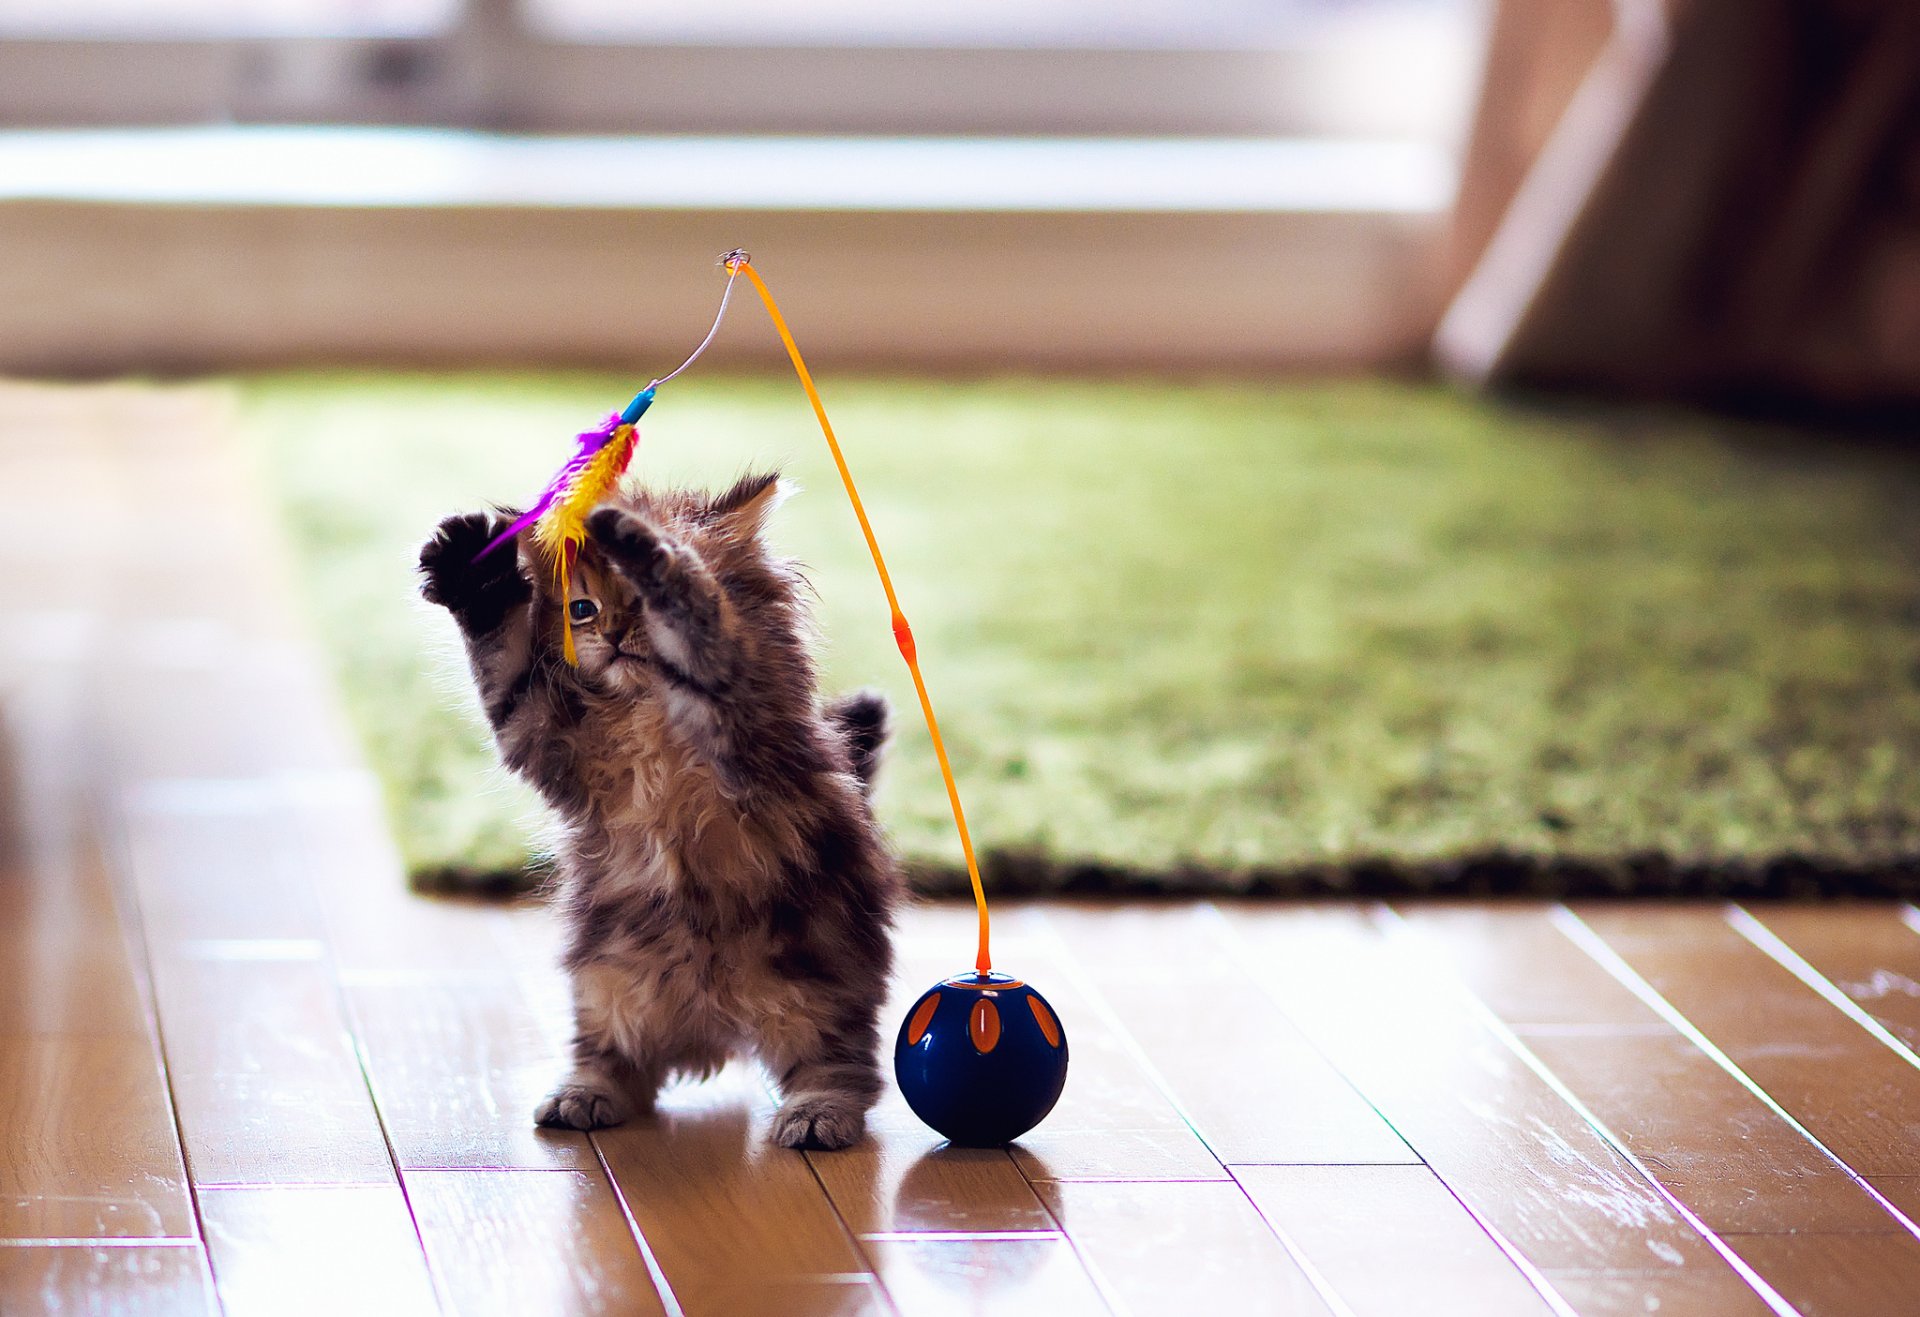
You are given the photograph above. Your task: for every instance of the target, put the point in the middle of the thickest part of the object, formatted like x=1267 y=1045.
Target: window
x=1272 y=176
x=1399 y=68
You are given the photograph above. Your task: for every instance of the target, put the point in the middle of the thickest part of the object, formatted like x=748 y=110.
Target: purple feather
x=588 y=443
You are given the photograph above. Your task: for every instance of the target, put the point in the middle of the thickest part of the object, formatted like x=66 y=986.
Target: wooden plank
x=457 y=1070
x=188 y=719
x=1691 y=1293
x=213 y=861
x=1870 y=952
x=209 y=642
x=132 y=1281
x=67 y=980
x=1528 y=972
x=520 y=1242
x=531 y=937
x=905 y=1179
x=1902 y=1191
x=374 y=925
x=1031 y=1273
x=1714 y=1145
x=1111 y=1123
x=1849 y=1090
x=708 y=1192
x=266 y=1080
x=87 y=1146
x=66 y=965
x=1390 y=1240
x=324 y=1250
x=1837 y=1275
x=264 y=1074
x=1495 y=1132
x=1217 y=1043
x=1198 y=1246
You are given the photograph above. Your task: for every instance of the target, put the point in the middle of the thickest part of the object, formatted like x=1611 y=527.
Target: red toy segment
x=922 y=1017
x=903 y=637
x=1049 y=1027
x=984 y=1025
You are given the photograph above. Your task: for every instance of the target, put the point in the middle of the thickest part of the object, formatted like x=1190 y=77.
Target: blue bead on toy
x=642 y=400
x=981 y=1058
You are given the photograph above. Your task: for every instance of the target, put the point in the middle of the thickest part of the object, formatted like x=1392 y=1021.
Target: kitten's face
x=722 y=531
x=609 y=631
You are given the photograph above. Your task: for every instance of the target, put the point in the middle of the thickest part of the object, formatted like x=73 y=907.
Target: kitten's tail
x=865 y=720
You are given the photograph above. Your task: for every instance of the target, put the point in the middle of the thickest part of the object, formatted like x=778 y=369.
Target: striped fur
x=726 y=888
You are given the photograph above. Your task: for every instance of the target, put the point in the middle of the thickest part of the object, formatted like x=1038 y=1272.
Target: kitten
x=726 y=889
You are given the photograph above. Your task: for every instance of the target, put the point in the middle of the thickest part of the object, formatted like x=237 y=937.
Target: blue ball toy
x=981 y=1058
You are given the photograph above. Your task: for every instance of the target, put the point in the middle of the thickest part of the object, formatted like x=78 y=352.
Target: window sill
x=199 y=248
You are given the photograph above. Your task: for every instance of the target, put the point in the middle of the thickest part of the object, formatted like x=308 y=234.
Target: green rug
x=1294 y=637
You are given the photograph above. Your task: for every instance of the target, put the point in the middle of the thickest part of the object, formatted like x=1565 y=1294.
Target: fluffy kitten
x=726 y=888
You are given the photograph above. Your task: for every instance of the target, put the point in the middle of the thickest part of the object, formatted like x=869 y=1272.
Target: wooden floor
x=242 y=1070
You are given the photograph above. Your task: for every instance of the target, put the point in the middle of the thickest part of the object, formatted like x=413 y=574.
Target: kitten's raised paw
x=477 y=589
x=628 y=539
x=581 y=1107
x=819 y=1122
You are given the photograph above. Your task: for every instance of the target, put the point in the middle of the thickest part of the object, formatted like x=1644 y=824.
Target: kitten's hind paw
x=580 y=1107
x=819 y=1121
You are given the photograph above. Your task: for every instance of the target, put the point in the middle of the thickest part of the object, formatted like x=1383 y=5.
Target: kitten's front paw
x=819 y=1121
x=582 y=1107
x=629 y=540
x=476 y=589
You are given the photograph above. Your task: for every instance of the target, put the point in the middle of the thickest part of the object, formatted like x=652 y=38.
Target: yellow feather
x=562 y=529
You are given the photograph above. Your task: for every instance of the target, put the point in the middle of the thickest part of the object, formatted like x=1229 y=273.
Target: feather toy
x=559 y=516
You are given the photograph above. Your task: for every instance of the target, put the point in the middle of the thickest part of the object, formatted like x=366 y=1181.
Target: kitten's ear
x=744 y=509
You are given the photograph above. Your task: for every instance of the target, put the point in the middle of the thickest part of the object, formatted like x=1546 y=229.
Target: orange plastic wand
x=737 y=263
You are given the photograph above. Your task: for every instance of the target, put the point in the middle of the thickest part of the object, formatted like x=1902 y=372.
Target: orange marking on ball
x=984 y=1025
x=1049 y=1027
x=922 y=1017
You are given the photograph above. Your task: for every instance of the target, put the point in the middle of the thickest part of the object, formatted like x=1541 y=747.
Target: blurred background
x=1067 y=183
x=1183 y=340
x=1710 y=198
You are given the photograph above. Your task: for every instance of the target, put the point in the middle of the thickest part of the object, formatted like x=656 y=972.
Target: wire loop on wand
x=729 y=260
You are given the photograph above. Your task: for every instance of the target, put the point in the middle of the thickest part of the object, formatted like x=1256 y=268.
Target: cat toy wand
x=981 y=1057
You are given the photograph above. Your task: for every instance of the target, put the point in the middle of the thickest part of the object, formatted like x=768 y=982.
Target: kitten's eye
x=583 y=610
